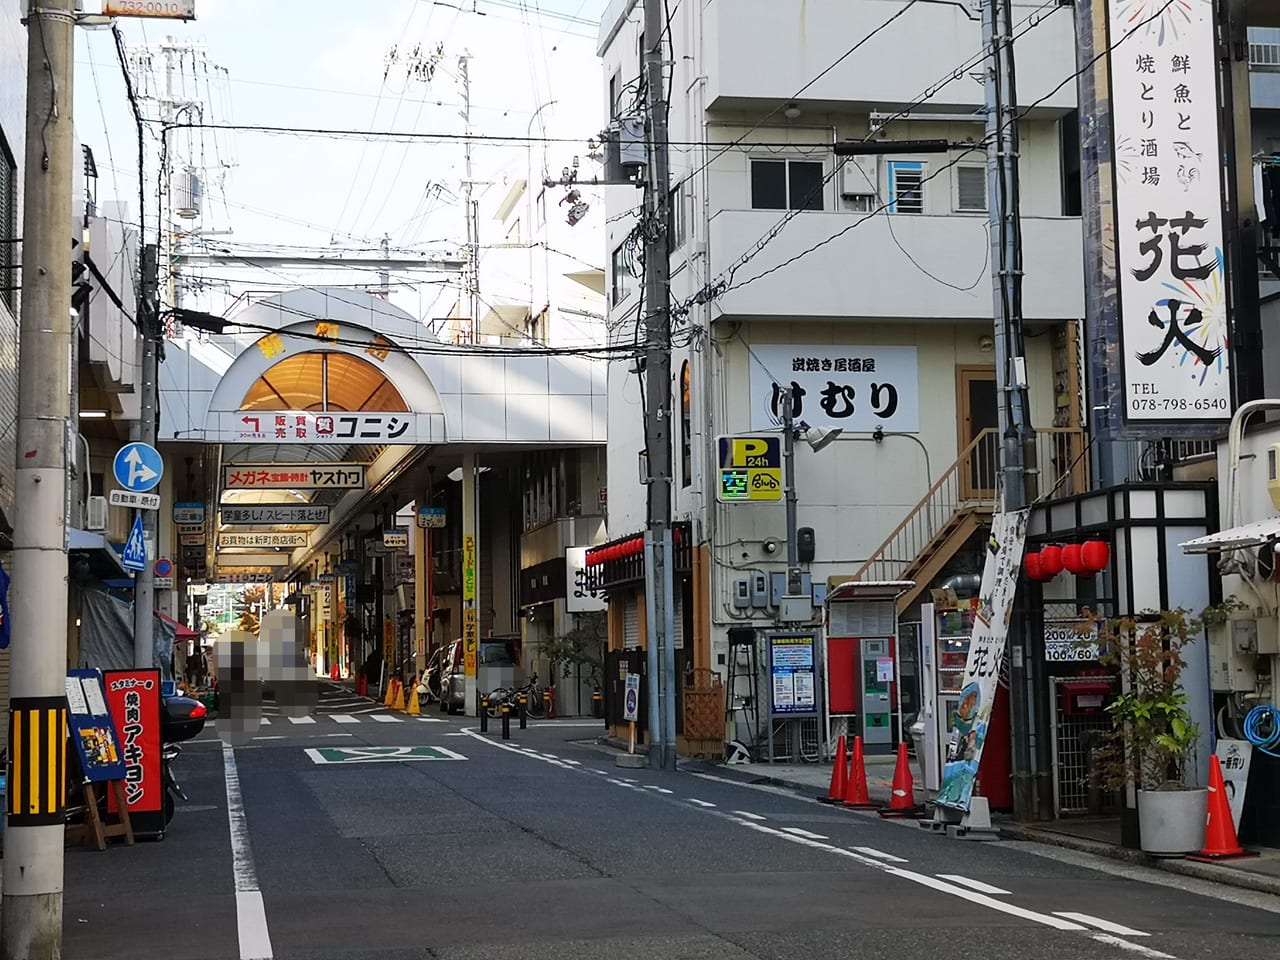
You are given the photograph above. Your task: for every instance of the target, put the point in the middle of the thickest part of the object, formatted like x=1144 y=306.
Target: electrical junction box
x=759 y=590
x=1230 y=668
x=796 y=609
x=1268 y=636
x=778 y=587
x=631 y=146
x=741 y=594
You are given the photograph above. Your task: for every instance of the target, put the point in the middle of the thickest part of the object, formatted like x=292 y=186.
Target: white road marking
x=987 y=888
x=748 y=815
x=1137 y=948
x=251 y=913
x=701 y=803
x=343 y=718
x=302 y=719
x=1107 y=925
x=431 y=720
x=265 y=721
x=657 y=789
x=281 y=737
x=1057 y=923
x=796 y=831
x=385 y=718
x=339 y=734
x=879 y=854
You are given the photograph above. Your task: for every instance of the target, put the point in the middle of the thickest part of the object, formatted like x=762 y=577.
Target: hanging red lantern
x=1095 y=554
x=1072 y=559
x=1051 y=561
x=1031 y=564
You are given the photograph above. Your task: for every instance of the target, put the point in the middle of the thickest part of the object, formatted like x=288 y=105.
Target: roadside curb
x=729 y=772
x=1228 y=876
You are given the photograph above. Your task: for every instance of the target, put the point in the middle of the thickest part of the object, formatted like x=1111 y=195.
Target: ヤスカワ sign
x=1170 y=269
x=263 y=539
x=268 y=513
x=293 y=476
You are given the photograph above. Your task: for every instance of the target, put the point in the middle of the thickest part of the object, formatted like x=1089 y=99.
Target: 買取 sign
x=855 y=388
x=1172 y=302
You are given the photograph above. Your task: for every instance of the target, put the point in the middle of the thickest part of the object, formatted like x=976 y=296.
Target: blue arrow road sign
x=138 y=467
x=135 y=548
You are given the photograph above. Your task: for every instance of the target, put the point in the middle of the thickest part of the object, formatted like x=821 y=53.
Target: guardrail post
x=506 y=721
x=524 y=711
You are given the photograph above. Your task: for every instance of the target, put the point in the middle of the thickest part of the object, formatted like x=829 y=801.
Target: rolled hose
x=1262 y=729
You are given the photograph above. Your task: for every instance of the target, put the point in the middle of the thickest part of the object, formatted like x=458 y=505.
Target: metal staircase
x=962 y=500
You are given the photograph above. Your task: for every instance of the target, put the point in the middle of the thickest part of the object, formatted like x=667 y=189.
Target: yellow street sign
x=750 y=469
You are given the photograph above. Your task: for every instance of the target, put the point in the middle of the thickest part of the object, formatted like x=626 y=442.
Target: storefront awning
x=1249 y=535
x=180 y=630
x=869 y=590
x=104 y=562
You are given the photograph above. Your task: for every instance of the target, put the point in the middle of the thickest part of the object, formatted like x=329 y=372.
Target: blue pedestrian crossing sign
x=135 y=548
x=138 y=467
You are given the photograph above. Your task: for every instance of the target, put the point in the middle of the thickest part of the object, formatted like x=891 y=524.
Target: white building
x=874 y=295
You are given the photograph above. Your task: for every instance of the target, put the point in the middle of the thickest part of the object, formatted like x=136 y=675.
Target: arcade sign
x=293 y=476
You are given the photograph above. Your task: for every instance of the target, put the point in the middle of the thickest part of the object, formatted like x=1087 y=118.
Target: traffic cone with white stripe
x=839 y=775
x=902 y=802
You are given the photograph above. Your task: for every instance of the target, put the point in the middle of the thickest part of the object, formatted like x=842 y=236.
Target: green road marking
x=379 y=754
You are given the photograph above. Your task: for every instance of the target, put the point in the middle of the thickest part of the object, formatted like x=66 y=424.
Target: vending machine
x=945 y=629
x=860 y=650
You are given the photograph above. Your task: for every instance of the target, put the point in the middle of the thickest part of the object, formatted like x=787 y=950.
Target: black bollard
x=524 y=711
x=484 y=714
x=506 y=721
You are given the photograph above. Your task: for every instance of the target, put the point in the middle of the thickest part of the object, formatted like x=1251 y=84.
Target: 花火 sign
x=854 y=388
x=1172 y=301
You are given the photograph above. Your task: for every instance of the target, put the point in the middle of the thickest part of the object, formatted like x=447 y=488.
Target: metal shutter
x=630 y=623
x=678 y=619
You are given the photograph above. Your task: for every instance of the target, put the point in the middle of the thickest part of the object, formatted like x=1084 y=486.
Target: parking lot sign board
x=750 y=469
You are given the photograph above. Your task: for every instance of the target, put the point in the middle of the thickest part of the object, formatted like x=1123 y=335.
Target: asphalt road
x=542 y=847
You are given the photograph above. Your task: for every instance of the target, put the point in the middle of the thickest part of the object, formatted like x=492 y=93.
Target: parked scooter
x=181 y=718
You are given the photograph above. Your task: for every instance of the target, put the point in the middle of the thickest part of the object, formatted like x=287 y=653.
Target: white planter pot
x=1172 y=822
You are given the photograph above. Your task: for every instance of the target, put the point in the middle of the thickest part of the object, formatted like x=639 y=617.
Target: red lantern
x=1031 y=563
x=1051 y=561
x=1072 y=560
x=1095 y=554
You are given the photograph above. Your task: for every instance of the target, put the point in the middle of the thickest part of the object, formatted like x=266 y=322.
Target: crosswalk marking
x=385 y=718
x=342 y=718
x=302 y=719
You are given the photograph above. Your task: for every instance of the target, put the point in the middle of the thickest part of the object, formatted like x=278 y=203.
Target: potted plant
x=1153 y=737
x=582 y=647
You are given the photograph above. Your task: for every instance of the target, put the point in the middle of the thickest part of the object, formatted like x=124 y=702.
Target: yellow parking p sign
x=750 y=469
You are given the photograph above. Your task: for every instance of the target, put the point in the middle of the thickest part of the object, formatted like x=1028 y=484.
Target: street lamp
x=817 y=440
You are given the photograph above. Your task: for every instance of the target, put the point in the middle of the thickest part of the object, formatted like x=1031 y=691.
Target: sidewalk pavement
x=1097 y=837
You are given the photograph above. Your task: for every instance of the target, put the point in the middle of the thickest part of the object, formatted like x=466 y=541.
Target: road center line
x=879 y=854
x=701 y=803
x=1107 y=925
x=796 y=831
x=251 y=912
x=747 y=814
x=996 y=891
x=1137 y=948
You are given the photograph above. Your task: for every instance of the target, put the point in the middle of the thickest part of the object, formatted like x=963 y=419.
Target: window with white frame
x=8 y=228
x=787 y=185
x=679 y=231
x=906 y=186
x=971 y=188
x=624 y=281
x=540 y=209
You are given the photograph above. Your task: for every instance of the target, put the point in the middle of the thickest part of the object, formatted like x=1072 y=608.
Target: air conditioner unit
x=97 y=510
x=860 y=176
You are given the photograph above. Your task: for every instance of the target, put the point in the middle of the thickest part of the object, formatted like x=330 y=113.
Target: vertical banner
x=470 y=641
x=133 y=697
x=469 y=566
x=1174 y=337
x=986 y=651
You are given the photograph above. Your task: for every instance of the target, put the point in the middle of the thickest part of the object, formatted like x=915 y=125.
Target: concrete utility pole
x=144 y=599
x=31 y=910
x=471 y=274
x=1017 y=441
x=657 y=429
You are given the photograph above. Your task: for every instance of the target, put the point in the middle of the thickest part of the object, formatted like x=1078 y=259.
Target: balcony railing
x=1264 y=56
x=967 y=489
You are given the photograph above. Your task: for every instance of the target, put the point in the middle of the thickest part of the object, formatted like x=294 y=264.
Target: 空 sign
x=155 y=9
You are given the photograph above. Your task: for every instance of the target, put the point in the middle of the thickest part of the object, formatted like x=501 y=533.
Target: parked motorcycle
x=181 y=718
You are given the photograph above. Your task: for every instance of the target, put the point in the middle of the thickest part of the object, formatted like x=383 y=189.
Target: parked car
x=497 y=665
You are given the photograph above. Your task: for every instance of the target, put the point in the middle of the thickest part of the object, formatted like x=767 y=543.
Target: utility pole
x=789 y=491
x=471 y=273
x=31 y=908
x=657 y=430
x=144 y=601
x=1017 y=442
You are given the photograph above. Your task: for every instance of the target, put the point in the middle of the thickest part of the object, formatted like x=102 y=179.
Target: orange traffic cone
x=855 y=794
x=839 y=775
x=1220 y=841
x=902 y=803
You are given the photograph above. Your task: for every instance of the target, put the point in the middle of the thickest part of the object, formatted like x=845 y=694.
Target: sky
x=330 y=63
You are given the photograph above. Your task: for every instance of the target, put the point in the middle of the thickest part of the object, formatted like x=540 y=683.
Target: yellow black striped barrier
x=37 y=761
